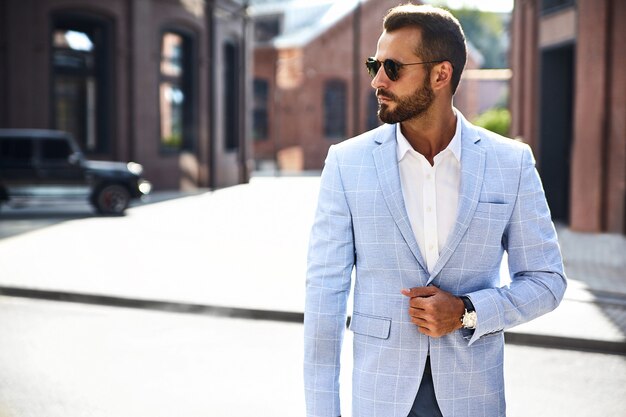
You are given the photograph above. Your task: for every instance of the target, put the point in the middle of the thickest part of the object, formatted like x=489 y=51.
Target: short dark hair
x=442 y=35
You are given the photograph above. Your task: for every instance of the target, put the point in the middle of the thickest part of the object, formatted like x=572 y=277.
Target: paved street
x=71 y=360
x=197 y=270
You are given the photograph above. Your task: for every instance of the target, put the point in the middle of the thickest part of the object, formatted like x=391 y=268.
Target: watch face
x=469 y=320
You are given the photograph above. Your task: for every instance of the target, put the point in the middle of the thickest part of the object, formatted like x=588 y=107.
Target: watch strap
x=468 y=303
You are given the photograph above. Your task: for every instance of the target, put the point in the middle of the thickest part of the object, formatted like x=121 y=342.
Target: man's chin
x=386 y=116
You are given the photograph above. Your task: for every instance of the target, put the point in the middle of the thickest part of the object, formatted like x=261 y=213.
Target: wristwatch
x=469 y=318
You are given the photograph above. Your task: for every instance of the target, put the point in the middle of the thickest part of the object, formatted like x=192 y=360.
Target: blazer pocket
x=493 y=209
x=367 y=325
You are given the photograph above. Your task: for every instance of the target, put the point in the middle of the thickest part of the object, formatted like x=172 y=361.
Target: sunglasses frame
x=392 y=68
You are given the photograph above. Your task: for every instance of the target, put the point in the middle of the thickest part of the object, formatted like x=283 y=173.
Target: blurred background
x=190 y=303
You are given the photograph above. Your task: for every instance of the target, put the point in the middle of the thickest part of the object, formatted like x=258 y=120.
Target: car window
x=15 y=151
x=55 y=150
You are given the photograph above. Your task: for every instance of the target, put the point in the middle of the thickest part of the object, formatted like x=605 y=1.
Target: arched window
x=81 y=90
x=175 y=91
x=335 y=109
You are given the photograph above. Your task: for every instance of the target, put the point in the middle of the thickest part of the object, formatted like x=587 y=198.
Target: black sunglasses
x=392 y=68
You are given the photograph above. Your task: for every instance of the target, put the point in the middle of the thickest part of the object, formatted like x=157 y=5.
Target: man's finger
x=419 y=291
x=420 y=302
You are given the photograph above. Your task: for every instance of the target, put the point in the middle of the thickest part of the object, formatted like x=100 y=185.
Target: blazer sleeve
x=537 y=278
x=331 y=258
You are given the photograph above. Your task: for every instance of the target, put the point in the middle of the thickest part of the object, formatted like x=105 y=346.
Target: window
x=175 y=92
x=231 y=96
x=80 y=93
x=552 y=5
x=260 y=113
x=372 y=112
x=55 y=149
x=266 y=28
x=335 y=109
x=15 y=152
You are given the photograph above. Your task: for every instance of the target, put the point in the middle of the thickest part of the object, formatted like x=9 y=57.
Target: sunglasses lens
x=391 y=69
x=372 y=66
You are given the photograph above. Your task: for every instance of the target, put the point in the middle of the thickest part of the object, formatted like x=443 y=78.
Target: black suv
x=49 y=164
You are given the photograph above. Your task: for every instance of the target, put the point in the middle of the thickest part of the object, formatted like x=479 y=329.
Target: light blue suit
x=362 y=223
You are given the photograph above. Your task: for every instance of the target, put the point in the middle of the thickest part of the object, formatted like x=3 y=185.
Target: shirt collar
x=454 y=146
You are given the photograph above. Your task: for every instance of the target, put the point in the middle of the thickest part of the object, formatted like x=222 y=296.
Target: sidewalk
x=187 y=256
x=592 y=315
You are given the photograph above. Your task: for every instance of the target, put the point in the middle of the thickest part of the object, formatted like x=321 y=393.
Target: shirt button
x=429 y=209
x=431 y=247
x=428 y=176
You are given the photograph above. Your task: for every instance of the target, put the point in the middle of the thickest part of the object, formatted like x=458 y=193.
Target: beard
x=411 y=107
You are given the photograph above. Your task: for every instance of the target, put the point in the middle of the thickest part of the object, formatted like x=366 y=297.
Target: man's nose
x=380 y=80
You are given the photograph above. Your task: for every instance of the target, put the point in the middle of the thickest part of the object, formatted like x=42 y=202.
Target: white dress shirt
x=431 y=193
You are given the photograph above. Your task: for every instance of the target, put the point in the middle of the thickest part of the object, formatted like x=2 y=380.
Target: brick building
x=310 y=85
x=159 y=82
x=568 y=101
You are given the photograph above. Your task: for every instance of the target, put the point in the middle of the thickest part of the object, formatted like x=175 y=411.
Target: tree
x=488 y=33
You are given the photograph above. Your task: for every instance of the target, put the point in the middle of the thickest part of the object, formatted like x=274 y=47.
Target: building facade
x=159 y=82
x=311 y=89
x=568 y=101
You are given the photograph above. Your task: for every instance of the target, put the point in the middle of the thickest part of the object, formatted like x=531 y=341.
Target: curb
x=515 y=338
x=566 y=343
x=154 y=305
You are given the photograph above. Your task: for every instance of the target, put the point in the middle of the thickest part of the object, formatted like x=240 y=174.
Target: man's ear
x=441 y=75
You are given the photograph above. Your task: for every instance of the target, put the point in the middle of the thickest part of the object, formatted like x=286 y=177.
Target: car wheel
x=112 y=199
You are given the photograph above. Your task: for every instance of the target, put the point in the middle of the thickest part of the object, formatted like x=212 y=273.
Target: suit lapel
x=386 y=161
x=472 y=172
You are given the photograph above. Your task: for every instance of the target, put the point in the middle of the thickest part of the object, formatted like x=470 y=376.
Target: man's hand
x=434 y=311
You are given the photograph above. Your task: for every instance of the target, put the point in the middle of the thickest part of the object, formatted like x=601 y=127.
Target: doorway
x=555 y=127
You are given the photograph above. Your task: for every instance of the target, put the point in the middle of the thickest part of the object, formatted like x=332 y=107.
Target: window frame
x=261 y=106
x=103 y=29
x=231 y=96
x=553 y=8
x=373 y=121
x=335 y=108
x=188 y=82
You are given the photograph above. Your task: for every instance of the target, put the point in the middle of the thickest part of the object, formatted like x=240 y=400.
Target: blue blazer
x=361 y=223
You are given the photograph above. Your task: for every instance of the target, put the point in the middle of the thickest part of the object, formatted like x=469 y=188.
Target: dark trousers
x=425 y=404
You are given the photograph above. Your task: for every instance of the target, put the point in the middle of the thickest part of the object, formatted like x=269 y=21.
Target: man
x=423 y=208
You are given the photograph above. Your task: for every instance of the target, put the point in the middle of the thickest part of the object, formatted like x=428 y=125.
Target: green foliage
x=487 y=31
x=497 y=120
x=174 y=140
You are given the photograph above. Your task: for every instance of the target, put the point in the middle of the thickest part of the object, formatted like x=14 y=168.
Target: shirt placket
x=431 y=240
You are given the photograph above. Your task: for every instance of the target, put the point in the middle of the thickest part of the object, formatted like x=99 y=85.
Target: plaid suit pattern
x=361 y=222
